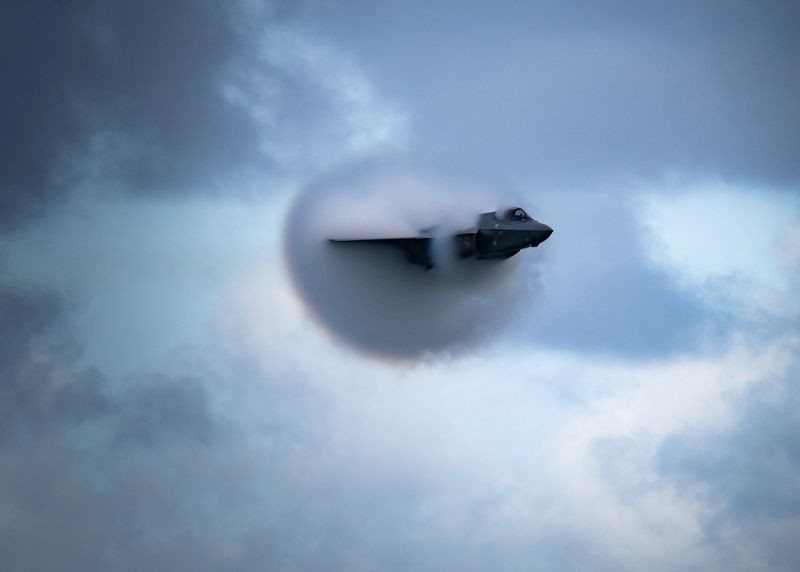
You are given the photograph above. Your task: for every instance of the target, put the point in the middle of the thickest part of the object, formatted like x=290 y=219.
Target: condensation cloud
x=369 y=296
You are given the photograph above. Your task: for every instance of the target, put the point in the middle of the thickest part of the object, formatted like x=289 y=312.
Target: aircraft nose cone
x=541 y=234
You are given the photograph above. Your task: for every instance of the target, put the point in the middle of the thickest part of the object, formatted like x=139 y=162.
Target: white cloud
x=737 y=240
x=710 y=230
x=533 y=442
x=313 y=104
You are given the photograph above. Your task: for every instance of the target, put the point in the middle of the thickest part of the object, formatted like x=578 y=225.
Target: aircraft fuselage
x=496 y=235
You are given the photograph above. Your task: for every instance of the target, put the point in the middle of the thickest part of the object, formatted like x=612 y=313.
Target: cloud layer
x=636 y=407
x=246 y=453
x=173 y=99
x=589 y=95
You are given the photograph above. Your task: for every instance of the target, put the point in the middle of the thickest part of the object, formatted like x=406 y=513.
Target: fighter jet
x=497 y=234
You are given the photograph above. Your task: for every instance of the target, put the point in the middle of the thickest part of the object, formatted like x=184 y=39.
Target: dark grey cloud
x=47 y=390
x=75 y=491
x=129 y=90
x=40 y=387
x=165 y=98
x=161 y=406
x=587 y=93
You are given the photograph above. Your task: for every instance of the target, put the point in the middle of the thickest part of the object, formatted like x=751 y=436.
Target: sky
x=186 y=385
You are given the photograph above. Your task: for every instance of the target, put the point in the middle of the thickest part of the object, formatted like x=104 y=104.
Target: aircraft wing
x=417 y=248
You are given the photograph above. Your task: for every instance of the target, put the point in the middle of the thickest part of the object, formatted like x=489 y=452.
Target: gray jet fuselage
x=498 y=234
x=502 y=236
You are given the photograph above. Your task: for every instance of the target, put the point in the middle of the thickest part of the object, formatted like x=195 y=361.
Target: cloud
x=598 y=283
x=746 y=474
x=245 y=453
x=538 y=455
x=178 y=98
x=116 y=90
x=266 y=445
x=75 y=490
x=40 y=387
x=609 y=456
x=588 y=96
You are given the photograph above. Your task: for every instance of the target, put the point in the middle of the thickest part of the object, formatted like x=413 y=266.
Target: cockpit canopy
x=515 y=214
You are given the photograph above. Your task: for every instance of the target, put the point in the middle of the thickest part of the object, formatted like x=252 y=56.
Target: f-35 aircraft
x=498 y=234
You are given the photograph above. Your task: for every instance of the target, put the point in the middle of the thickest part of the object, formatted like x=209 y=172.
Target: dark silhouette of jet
x=498 y=234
